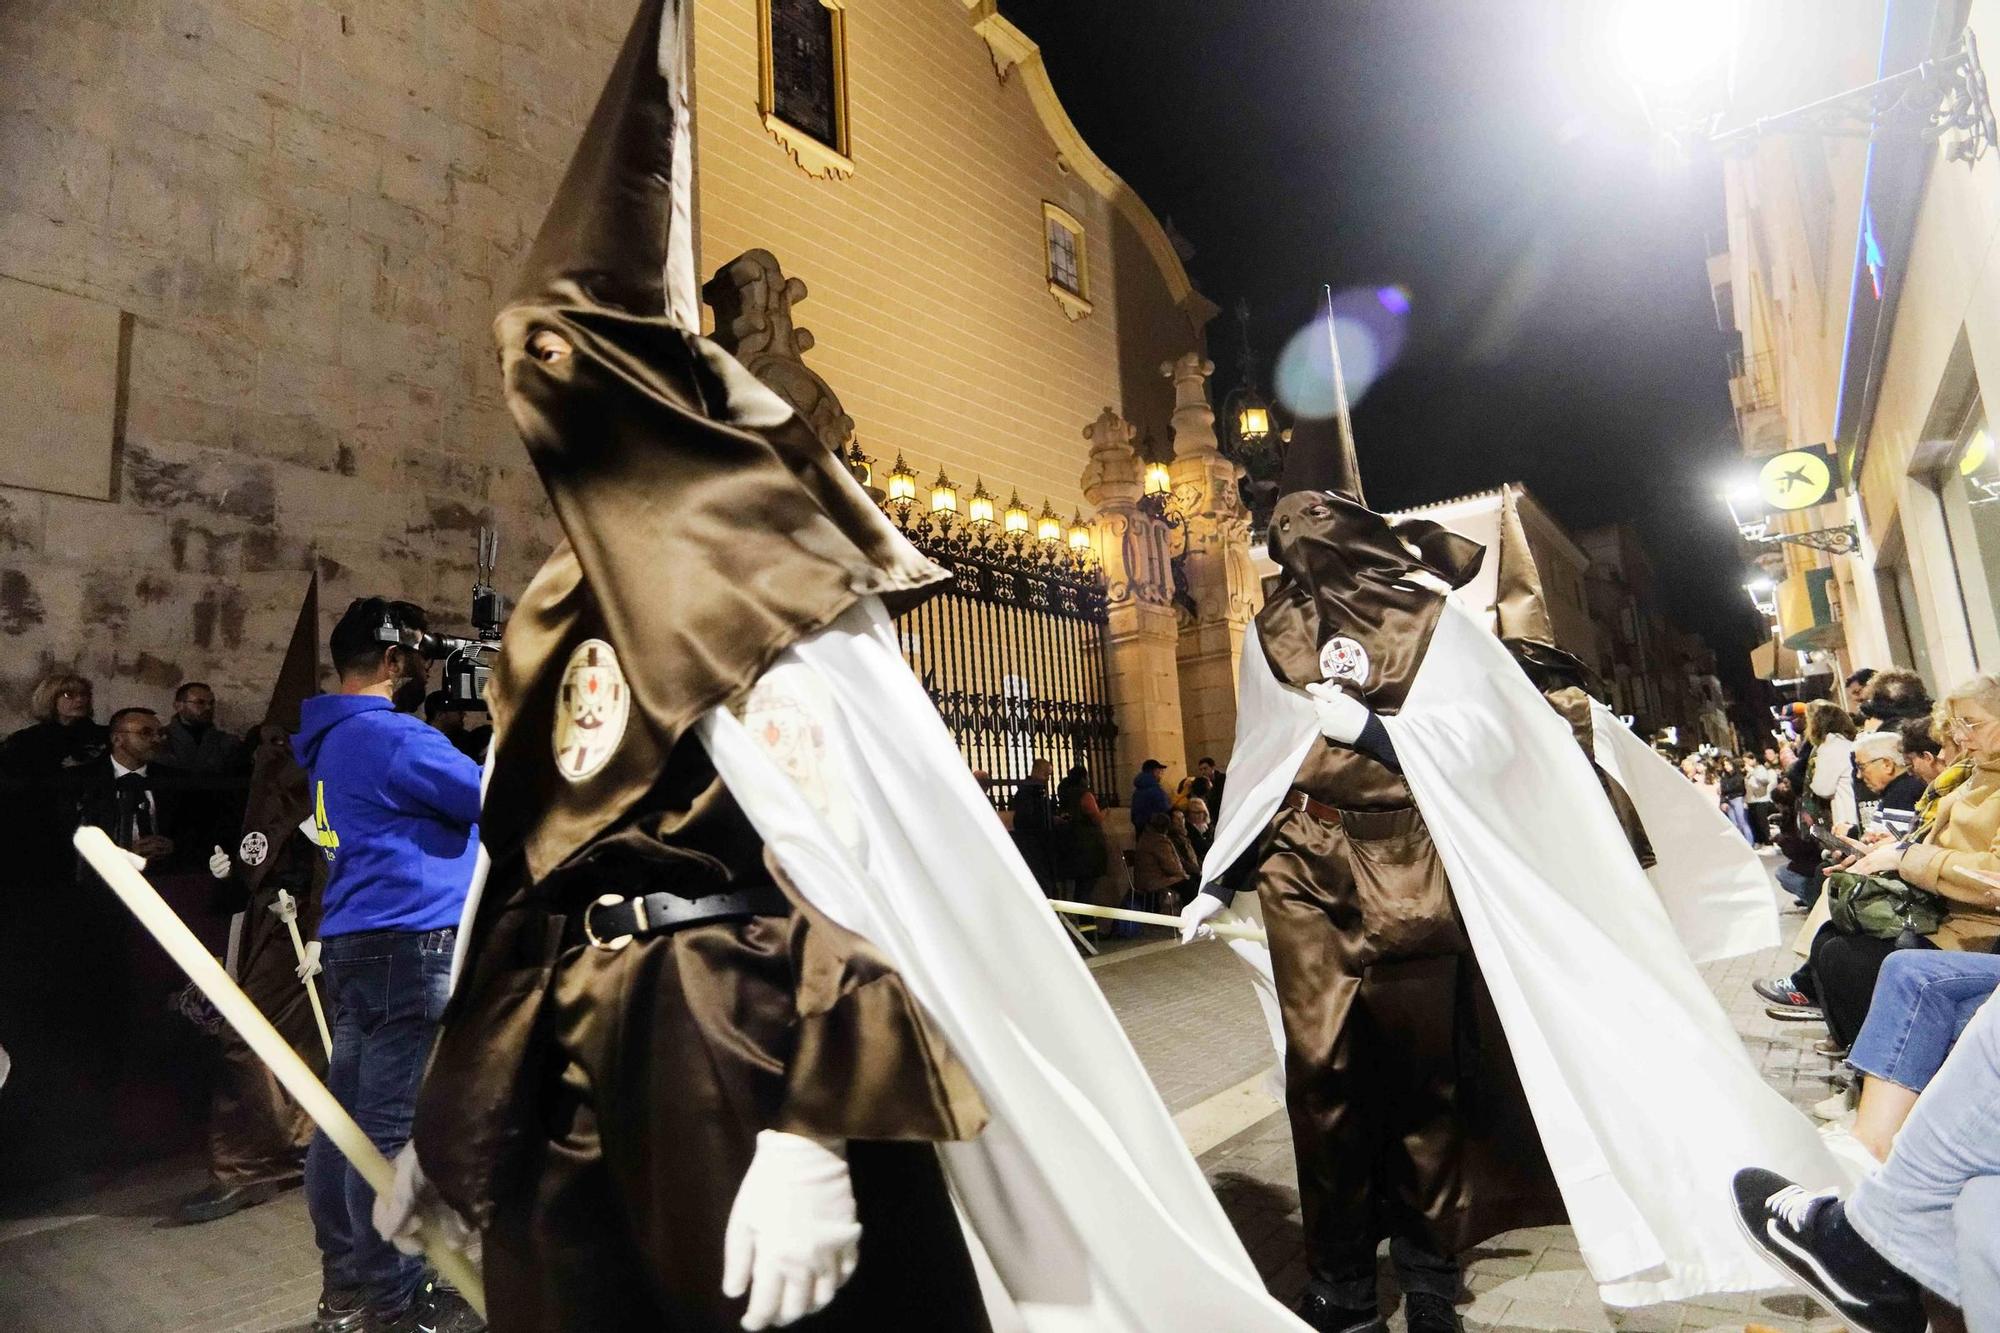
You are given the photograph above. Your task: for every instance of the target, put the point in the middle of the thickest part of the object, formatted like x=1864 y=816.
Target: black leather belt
x=616 y=919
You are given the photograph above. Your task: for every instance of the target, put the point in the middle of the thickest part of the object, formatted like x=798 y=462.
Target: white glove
x=218 y=864
x=792 y=1239
x=1194 y=917
x=411 y=1202
x=1341 y=715
x=310 y=967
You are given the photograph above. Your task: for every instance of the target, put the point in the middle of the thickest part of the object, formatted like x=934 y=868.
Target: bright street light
x=1671 y=44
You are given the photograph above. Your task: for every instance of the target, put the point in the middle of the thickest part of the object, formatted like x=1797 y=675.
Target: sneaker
x=1426 y=1313
x=1831 y=1108
x=1807 y=1238
x=218 y=1201
x=1795 y=1013
x=1323 y=1316
x=1781 y=991
x=437 y=1309
x=342 y=1310
x=1830 y=1048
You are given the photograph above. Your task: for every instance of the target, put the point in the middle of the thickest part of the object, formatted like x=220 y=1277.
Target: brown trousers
x=1408 y=1119
x=649 y=1118
x=256 y=1133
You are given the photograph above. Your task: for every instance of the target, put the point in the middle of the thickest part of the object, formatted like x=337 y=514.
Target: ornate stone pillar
x=1220 y=579
x=1138 y=575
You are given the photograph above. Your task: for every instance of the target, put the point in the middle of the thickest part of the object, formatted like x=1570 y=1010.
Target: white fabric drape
x=1714 y=888
x=1080 y=1191
x=1646 y=1101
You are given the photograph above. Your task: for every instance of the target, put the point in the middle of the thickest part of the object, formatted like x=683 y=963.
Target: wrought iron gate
x=1013 y=653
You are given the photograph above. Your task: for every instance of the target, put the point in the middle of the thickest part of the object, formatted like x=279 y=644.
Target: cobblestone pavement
x=103 y=1262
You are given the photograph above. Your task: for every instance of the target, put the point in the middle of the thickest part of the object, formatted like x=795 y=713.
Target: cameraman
x=396 y=811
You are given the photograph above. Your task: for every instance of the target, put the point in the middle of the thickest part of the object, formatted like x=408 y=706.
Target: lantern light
x=902 y=483
x=1048 y=525
x=1079 y=533
x=979 y=509
x=859 y=465
x=944 y=495
x=1253 y=421
x=1158 y=482
x=1016 y=518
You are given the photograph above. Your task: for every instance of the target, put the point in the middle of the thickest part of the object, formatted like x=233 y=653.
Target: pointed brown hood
x=279 y=797
x=1521 y=608
x=1346 y=573
x=708 y=527
x=1317 y=459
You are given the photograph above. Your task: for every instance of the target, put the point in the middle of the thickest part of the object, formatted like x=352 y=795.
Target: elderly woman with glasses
x=1955 y=855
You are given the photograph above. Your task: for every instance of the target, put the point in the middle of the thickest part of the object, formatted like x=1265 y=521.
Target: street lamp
x=944 y=495
x=1079 y=533
x=979 y=509
x=1016 y=518
x=902 y=484
x=1158 y=480
x=1048 y=526
x=1763 y=595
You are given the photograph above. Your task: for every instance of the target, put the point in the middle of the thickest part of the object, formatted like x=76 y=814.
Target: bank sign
x=1796 y=479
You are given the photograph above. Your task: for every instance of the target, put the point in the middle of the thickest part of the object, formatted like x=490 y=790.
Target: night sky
x=1490 y=156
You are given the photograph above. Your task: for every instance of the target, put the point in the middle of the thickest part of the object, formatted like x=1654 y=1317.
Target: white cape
x=1644 y=1097
x=1714 y=888
x=1081 y=1192
x=1646 y=1101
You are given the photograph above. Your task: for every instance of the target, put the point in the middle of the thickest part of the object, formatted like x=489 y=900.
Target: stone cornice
x=1014 y=52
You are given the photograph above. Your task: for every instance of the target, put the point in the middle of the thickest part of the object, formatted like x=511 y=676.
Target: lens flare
x=1370 y=324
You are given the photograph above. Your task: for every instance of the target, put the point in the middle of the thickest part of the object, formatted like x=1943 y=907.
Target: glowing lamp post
x=1015 y=521
x=944 y=495
x=1048 y=525
x=902 y=484
x=979 y=509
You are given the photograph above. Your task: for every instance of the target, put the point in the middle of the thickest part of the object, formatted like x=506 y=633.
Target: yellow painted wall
x=928 y=296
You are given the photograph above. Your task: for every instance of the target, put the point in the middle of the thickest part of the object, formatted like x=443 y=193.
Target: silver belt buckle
x=616 y=942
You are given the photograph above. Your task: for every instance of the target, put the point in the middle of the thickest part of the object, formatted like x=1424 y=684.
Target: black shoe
x=436 y=1309
x=216 y=1201
x=1781 y=991
x=1807 y=1238
x=1323 y=1316
x=342 y=1310
x=1426 y=1313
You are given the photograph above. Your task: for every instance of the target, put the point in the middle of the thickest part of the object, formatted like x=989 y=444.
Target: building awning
x=1805 y=611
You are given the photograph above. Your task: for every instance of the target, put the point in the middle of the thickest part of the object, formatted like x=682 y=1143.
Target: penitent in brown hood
x=708 y=527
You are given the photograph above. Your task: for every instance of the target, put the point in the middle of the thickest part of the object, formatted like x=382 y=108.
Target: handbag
x=1881 y=906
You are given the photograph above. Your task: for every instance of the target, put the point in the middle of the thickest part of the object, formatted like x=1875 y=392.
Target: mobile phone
x=1833 y=842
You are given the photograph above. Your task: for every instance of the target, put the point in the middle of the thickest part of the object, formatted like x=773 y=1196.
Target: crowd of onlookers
x=1063 y=837
x=1886 y=817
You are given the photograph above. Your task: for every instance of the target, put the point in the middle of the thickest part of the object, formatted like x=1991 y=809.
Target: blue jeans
x=1805 y=888
x=1923 y=1000
x=1933 y=1210
x=385 y=992
x=1739 y=814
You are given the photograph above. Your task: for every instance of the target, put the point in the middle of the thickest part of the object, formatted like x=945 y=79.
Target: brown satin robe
x=594 y=1112
x=256 y=1133
x=1408 y=1118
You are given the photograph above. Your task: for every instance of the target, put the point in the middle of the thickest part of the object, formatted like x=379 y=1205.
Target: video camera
x=468 y=663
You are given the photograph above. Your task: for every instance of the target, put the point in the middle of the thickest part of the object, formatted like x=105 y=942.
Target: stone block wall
x=310 y=212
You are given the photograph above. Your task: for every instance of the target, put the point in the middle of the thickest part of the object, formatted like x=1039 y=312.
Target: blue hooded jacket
x=397 y=813
x=1149 y=798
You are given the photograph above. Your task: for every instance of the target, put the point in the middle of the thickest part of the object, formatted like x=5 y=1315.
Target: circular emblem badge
x=591 y=707
x=1344 y=659
x=254 y=848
